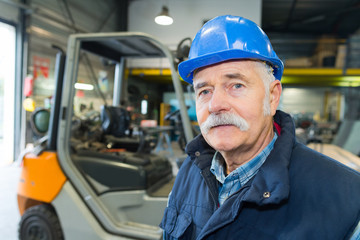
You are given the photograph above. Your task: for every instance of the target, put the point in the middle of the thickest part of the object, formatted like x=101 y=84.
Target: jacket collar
x=199 y=150
x=271 y=184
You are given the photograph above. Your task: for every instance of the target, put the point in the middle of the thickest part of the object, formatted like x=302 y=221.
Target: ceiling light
x=163 y=18
x=84 y=86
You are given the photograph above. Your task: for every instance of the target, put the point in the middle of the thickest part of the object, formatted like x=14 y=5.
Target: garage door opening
x=7 y=92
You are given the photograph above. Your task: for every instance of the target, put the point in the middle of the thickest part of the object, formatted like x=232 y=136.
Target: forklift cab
x=93 y=177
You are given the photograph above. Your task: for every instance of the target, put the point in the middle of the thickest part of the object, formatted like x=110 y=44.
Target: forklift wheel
x=40 y=222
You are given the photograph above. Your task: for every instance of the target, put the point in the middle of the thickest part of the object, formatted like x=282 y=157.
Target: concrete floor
x=9 y=214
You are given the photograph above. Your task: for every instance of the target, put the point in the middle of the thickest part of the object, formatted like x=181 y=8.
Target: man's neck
x=243 y=154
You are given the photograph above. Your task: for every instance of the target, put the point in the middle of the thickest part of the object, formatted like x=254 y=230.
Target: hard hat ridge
x=229 y=38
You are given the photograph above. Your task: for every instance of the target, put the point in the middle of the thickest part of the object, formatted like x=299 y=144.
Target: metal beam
x=22 y=43
x=292 y=76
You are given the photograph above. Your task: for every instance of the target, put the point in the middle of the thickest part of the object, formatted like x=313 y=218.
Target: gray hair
x=266 y=72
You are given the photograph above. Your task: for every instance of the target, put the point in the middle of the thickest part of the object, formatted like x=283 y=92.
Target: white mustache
x=223 y=119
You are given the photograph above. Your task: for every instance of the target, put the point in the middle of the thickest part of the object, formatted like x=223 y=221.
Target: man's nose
x=218 y=102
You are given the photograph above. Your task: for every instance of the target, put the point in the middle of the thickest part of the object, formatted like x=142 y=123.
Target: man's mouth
x=223 y=125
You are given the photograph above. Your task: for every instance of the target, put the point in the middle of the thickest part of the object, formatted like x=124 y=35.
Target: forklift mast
x=55 y=110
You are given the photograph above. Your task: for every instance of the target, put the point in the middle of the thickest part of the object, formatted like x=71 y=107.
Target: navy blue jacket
x=298 y=193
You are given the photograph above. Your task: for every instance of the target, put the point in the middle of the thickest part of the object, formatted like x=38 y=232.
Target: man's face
x=235 y=91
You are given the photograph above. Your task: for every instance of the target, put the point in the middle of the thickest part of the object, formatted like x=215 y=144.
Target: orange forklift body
x=41 y=179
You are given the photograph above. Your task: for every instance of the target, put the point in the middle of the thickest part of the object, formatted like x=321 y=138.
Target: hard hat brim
x=187 y=68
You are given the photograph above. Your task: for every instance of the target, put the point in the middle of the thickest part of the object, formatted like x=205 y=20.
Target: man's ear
x=275 y=93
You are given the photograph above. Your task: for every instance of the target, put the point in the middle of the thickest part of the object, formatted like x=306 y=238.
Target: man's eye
x=204 y=92
x=238 y=85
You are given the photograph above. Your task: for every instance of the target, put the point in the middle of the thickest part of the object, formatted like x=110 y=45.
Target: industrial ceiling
x=295 y=26
x=315 y=17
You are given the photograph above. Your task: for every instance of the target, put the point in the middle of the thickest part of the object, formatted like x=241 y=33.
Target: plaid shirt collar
x=240 y=176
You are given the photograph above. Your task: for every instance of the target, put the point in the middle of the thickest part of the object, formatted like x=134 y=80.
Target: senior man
x=246 y=176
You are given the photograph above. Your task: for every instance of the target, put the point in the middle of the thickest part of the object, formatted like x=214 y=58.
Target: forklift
x=90 y=177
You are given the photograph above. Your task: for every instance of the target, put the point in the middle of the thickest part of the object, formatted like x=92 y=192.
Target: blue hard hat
x=229 y=38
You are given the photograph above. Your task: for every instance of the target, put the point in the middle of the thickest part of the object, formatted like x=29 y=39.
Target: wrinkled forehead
x=255 y=63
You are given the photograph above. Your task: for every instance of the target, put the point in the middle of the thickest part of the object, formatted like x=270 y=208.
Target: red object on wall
x=41 y=66
x=80 y=93
x=28 y=86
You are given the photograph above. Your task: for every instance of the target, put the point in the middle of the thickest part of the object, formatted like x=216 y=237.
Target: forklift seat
x=115 y=122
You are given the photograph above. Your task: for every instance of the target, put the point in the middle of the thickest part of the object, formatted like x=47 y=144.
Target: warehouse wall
x=52 y=22
x=188 y=16
x=8 y=13
x=309 y=100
